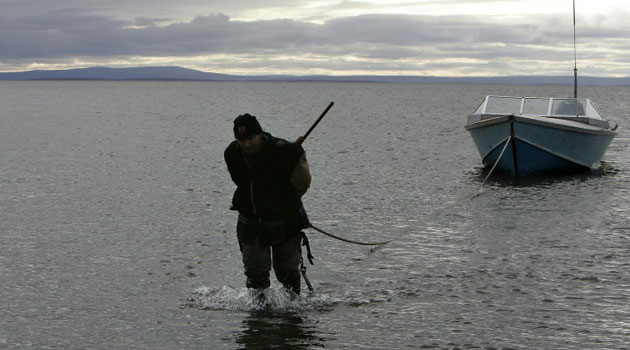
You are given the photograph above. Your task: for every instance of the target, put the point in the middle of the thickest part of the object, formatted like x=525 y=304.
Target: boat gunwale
x=555 y=123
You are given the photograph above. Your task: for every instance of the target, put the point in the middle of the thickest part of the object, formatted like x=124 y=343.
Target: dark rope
x=308 y=247
x=344 y=239
x=310 y=259
x=303 y=271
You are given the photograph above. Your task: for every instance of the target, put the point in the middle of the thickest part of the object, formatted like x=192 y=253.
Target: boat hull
x=538 y=145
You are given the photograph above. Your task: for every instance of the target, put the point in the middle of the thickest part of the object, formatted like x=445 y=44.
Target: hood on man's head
x=246 y=126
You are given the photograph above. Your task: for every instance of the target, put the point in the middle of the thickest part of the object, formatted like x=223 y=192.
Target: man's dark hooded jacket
x=264 y=196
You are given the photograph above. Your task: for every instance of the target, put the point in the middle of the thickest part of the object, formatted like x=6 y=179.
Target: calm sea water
x=115 y=231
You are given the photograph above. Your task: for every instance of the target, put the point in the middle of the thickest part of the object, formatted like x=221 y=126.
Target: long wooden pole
x=317 y=121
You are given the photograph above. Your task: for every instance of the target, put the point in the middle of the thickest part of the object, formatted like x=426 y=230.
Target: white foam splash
x=244 y=299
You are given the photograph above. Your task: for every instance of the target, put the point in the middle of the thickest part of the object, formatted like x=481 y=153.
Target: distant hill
x=179 y=73
x=104 y=73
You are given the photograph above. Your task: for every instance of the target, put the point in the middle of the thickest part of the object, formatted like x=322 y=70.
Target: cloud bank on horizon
x=336 y=37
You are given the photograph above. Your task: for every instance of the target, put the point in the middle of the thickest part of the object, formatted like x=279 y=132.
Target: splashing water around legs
x=250 y=299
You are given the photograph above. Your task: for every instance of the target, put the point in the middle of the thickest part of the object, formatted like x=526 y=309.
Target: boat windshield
x=537 y=106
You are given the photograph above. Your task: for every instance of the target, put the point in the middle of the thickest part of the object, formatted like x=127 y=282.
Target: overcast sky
x=336 y=37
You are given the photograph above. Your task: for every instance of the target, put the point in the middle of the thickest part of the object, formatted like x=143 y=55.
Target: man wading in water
x=271 y=176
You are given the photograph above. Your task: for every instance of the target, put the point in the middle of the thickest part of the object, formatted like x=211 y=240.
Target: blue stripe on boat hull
x=530 y=161
x=540 y=149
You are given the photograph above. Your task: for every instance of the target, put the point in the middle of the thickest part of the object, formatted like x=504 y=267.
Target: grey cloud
x=148 y=22
x=129 y=9
x=70 y=33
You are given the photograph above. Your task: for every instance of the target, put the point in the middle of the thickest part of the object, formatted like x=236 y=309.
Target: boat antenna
x=575 y=95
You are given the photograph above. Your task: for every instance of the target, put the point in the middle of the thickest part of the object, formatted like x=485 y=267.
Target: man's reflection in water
x=265 y=330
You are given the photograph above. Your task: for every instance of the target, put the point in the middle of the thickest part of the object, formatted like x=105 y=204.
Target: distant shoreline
x=303 y=81
x=184 y=74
